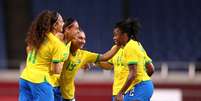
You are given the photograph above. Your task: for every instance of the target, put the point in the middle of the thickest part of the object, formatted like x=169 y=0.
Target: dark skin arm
x=109 y=54
x=56 y=68
x=105 y=65
x=131 y=77
x=102 y=60
x=150 y=69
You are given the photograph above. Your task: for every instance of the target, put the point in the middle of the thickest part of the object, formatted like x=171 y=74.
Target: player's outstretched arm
x=104 y=65
x=109 y=54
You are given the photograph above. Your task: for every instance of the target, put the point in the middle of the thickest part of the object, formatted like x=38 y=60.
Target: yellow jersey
x=131 y=53
x=38 y=64
x=70 y=69
x=56 y=77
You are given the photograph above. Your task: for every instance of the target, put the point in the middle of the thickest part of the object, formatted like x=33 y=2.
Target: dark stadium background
x=171 y=35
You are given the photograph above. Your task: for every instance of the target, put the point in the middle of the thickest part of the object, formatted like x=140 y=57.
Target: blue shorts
x=141 y=92
x=57 y=94
x=29 y=91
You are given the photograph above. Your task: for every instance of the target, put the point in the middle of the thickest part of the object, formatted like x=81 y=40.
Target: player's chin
x=81 y=47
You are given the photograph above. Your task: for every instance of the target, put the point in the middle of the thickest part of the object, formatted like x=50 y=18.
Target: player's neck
x=125 y=42
x=73 y=50
x=67 y=40
x=54 y=32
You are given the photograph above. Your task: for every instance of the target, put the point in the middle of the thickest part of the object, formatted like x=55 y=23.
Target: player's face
x=71 y=30
x=80 y=40
x=59 y=24
x=118 y=36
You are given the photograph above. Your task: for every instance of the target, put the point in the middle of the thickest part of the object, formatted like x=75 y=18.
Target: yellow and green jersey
x=132 y=53
x=70 y=69
x=56 y=77
x=38 y=64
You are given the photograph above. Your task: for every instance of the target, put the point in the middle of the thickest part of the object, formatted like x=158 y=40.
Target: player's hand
x=119 y=97
x=88 y=66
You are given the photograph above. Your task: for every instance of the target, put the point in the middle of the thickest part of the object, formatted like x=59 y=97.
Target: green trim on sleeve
x=57 y=61
x=148 y=62
x=97 y=58
x=132 y=63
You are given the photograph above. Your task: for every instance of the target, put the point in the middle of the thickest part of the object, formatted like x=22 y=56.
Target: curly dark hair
x=68 y=23
x=129 y=26
x=43 y=24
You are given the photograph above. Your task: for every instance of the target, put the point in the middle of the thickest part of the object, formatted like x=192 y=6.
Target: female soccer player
x=45 y=54
x=132 y=66
x=70 y=29
x=77 y=59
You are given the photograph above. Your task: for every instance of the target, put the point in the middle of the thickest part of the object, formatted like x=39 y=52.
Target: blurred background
x=171 y=35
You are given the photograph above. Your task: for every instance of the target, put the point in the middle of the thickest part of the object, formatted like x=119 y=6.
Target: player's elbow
x=150 y=73
x=150 y=69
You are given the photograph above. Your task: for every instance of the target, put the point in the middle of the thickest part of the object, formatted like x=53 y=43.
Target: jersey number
x=70 y=66
x=32 y=57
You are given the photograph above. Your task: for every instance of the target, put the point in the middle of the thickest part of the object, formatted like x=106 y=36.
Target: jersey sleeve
x=91 y=57
x=60 y=53
x=131 y=55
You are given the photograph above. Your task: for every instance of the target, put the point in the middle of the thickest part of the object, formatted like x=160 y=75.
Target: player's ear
x=67 y=30
x=55 y=26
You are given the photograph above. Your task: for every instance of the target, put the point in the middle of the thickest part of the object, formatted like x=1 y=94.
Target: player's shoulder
x=133 y=43
x=83 y=51
x=87 y=53
x=133 y=46
x=53 y=38
x=130 y=45
x=56 y=42
x=60 y=36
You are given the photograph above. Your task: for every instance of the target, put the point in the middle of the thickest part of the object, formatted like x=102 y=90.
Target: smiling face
x=119 y=37
x=79 y=41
